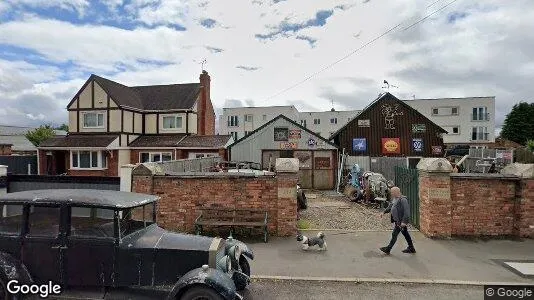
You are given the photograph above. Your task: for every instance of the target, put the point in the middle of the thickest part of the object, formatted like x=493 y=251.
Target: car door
x=43 y=243
x=11 y=224
x=90 y=253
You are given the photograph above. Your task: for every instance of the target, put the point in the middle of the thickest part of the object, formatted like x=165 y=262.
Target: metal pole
x=29 y=169
x=340 y=171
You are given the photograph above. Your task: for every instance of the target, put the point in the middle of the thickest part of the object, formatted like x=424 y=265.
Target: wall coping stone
x=434 y=165
x=213 y=175
x=482 y=176
x=520 y=170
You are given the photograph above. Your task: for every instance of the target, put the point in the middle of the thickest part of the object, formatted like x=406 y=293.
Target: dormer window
x=93 y=120
x=172 y=122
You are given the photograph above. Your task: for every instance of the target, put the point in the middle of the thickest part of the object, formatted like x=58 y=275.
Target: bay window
x=93 y=120
x=88 y=159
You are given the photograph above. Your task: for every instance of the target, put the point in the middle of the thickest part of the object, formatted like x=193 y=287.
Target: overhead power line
x=367 y=44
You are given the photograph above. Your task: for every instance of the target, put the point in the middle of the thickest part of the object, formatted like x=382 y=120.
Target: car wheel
x=201 y=293
x=244 y=265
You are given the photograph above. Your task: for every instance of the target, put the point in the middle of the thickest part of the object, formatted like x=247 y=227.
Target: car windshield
x=135 y=219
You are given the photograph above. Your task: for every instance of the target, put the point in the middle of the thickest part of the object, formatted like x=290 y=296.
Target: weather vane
x=388 y=85
x=202 y=63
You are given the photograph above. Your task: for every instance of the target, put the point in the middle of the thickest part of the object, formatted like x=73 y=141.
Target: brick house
x=111 y=125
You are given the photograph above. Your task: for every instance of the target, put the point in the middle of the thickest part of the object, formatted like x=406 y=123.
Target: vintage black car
x=108 y=240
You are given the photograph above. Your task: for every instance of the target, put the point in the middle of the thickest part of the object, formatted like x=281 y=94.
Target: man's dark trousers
x=395 y=234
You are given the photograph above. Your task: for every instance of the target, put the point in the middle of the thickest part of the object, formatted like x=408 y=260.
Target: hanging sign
x=417 y=145
x=288 y=145
x=359 y=145
x=418 y=128
x=364 y=123
x=390 y=145
x=436 y=149
x=295 y=134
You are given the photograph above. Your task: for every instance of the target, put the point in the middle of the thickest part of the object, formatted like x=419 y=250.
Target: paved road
x=295 y=290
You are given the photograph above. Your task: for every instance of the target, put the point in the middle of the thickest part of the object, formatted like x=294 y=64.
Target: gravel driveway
x=328 y=210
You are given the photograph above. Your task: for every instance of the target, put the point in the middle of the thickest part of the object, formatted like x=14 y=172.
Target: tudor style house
x=111 y=125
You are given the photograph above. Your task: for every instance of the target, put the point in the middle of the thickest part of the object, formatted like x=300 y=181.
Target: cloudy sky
x=257 y=48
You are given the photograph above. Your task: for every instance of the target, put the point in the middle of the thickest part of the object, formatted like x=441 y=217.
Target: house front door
x=61 y=162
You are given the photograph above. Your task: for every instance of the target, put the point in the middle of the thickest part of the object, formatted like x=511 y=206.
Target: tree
x=519 y=123
x=530 y=145
x=38 y=135
x=63 y=127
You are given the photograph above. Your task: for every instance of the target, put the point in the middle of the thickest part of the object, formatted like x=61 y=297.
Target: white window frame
x=316 y=121
x=457 y=110
x=176 y=117
x=480 y=131
x=101 y=160
x=234 y=135
x=233 y=121
x=333 y=120
x=457 y=126
x=151 y=155
x=249 y=118
x=485 y=114
x=97 y=114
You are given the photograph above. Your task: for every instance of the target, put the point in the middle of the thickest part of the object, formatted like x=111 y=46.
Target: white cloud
x=486 y=53
x=73 y=5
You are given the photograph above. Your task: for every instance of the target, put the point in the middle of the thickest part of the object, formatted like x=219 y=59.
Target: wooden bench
x=233 y=217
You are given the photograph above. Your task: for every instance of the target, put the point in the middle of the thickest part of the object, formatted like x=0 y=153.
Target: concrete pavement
x=355 y=255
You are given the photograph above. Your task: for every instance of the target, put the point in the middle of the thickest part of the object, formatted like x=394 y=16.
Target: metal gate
x=408 y=181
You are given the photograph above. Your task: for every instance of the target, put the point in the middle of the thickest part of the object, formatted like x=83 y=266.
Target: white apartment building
x=325 y=123
x=239 y=121
x=469 y=120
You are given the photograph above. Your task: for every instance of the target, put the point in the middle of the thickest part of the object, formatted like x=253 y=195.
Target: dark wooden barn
x=389 y=127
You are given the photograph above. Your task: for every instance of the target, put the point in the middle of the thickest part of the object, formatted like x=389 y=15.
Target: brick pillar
x=526 y=208
x=525 y=213
x=287 y=177
x=222 y=154
x=180 y=154
x=435 y=197
x=3 y=179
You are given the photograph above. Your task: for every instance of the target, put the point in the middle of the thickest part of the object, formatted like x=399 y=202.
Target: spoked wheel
x=200 y=293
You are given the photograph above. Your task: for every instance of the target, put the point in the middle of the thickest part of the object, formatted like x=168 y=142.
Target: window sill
x=87 y=169
x=99 y=127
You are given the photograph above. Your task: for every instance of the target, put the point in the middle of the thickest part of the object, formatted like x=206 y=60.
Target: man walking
x=400 y=216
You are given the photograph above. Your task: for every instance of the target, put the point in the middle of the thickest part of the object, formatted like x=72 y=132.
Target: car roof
x=80 y=197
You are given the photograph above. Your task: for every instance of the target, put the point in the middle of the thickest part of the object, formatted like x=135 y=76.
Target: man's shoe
x=409 y=250
x=385 y=250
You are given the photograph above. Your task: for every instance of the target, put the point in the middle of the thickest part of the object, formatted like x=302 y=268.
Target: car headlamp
x=224 y=264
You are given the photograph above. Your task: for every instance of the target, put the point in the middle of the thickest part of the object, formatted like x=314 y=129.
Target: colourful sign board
x=295 y=134
x=437 y=150
x=359 y=145
x=418 y=128
x=417 y=145
x=391 y=146
x=288 y=145
x=364 y=123
x=312 y=143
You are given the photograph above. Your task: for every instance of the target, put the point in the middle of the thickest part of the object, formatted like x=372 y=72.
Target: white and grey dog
x=308 y=242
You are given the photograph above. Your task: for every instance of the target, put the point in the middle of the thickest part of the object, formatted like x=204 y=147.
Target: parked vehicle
x=109 y=239
x=458 y=150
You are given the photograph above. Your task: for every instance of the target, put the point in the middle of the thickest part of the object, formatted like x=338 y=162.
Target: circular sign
x=312 y=142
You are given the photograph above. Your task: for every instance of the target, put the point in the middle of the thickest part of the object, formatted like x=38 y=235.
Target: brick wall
x=182 y=198
x=476 y=205
x=483 y=206
x=526 y=209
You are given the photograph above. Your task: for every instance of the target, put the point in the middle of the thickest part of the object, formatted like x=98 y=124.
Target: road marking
x=386 y=280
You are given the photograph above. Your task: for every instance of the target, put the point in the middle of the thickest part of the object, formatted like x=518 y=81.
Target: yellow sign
x=288 y=145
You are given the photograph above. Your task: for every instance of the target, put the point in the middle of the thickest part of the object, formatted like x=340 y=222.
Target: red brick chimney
x=206 y=113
